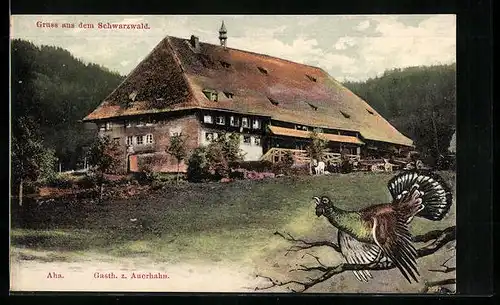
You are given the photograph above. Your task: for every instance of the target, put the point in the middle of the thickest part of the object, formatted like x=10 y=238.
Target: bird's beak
x=317 y=200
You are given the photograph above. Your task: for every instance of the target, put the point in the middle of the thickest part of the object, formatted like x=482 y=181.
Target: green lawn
x=209 y=221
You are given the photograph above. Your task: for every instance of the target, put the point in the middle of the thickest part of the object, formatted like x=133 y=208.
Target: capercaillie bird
x=380 y=232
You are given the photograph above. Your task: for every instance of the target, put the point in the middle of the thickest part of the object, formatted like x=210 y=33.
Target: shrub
x=147 y=177
x=156 y=185
x=60 y=181
x=212 y=162
x=237 y=174
x=346 y=167
x=218 y=163
x=197 y=170
x=280 y=168
x=87 y=181
x=258 y=175
x=258 y=166
x=298 y=170
x=288 y=159
x=333 y=167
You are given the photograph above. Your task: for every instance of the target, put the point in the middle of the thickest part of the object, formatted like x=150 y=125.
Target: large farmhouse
x=202 y=90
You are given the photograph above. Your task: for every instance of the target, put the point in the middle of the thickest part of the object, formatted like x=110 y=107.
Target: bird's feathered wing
x=356 y=252
x=391 y=234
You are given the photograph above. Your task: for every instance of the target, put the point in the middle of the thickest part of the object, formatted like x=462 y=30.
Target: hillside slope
x=418 y=101
x=57 y=89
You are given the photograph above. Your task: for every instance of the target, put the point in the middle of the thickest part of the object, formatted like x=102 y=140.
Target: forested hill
x=56 y=90
x=419 y=101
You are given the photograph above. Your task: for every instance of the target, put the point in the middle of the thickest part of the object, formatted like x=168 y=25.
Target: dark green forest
x=51 y=91
x=419 y=101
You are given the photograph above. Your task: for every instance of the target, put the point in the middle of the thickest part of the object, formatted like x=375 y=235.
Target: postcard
x=233 y=153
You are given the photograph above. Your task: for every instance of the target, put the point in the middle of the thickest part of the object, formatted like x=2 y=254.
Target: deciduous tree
x=31 y=161
x=177 y=149
x=104 y=156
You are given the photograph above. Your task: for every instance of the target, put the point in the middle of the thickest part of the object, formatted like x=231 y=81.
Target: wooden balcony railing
x=275 y=155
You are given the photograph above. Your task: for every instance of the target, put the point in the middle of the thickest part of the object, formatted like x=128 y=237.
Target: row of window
x=233 y=121
x=251 y=140
x=140 y=140
x=128 y=124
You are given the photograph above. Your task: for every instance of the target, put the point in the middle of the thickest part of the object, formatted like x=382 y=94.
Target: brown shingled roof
x=174 y=75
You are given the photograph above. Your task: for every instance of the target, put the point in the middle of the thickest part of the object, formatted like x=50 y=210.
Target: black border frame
x=474 y=125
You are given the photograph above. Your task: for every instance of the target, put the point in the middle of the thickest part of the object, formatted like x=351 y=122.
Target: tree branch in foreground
x=439 y=283
x=439 y=239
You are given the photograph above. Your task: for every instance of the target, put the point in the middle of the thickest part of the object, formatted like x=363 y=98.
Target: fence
x=275 y=155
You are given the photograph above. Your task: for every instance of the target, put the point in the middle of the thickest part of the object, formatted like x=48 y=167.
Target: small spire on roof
x=223 y=34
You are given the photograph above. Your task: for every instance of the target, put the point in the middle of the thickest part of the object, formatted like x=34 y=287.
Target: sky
x=348 y=47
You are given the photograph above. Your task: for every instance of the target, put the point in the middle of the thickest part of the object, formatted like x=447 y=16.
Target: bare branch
x=431 y=235
x=440 y=240
x=439 y=283
x=445 y=237
x=303 y=244
x=446 y=268
x=317 y=259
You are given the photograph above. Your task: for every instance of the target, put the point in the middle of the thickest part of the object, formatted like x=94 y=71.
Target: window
x=234 y=121
x=130 y=140
x=210 y=136
x=312 y=79
x=138 y=140
x=128 y=124
x=211 y=95
x=149 y=139
x=247 y=139
x=262 y=70
x=370 y=112
x=256 y=124
x=132 y=95
x=208 y=119
x=256 y=141
x=274 y=102
x=177 y=131
x=225 y=64
x=228 y=94
x=220 y=120
x=312 y=106
x=102 y=127
x=345 y=115
x=244 y=122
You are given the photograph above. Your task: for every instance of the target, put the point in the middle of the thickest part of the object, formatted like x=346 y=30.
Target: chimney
x=223 y=35
x=195 y=43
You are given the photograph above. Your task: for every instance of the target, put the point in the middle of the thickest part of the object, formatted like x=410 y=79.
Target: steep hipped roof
x=174 y=75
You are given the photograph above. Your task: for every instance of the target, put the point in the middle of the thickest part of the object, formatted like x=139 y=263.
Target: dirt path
x=81 y=276
x=31 y=273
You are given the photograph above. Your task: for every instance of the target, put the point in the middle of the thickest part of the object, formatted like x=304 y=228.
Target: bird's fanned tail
x=435 y=194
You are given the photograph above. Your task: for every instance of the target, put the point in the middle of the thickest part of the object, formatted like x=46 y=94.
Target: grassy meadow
x=199 y=222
